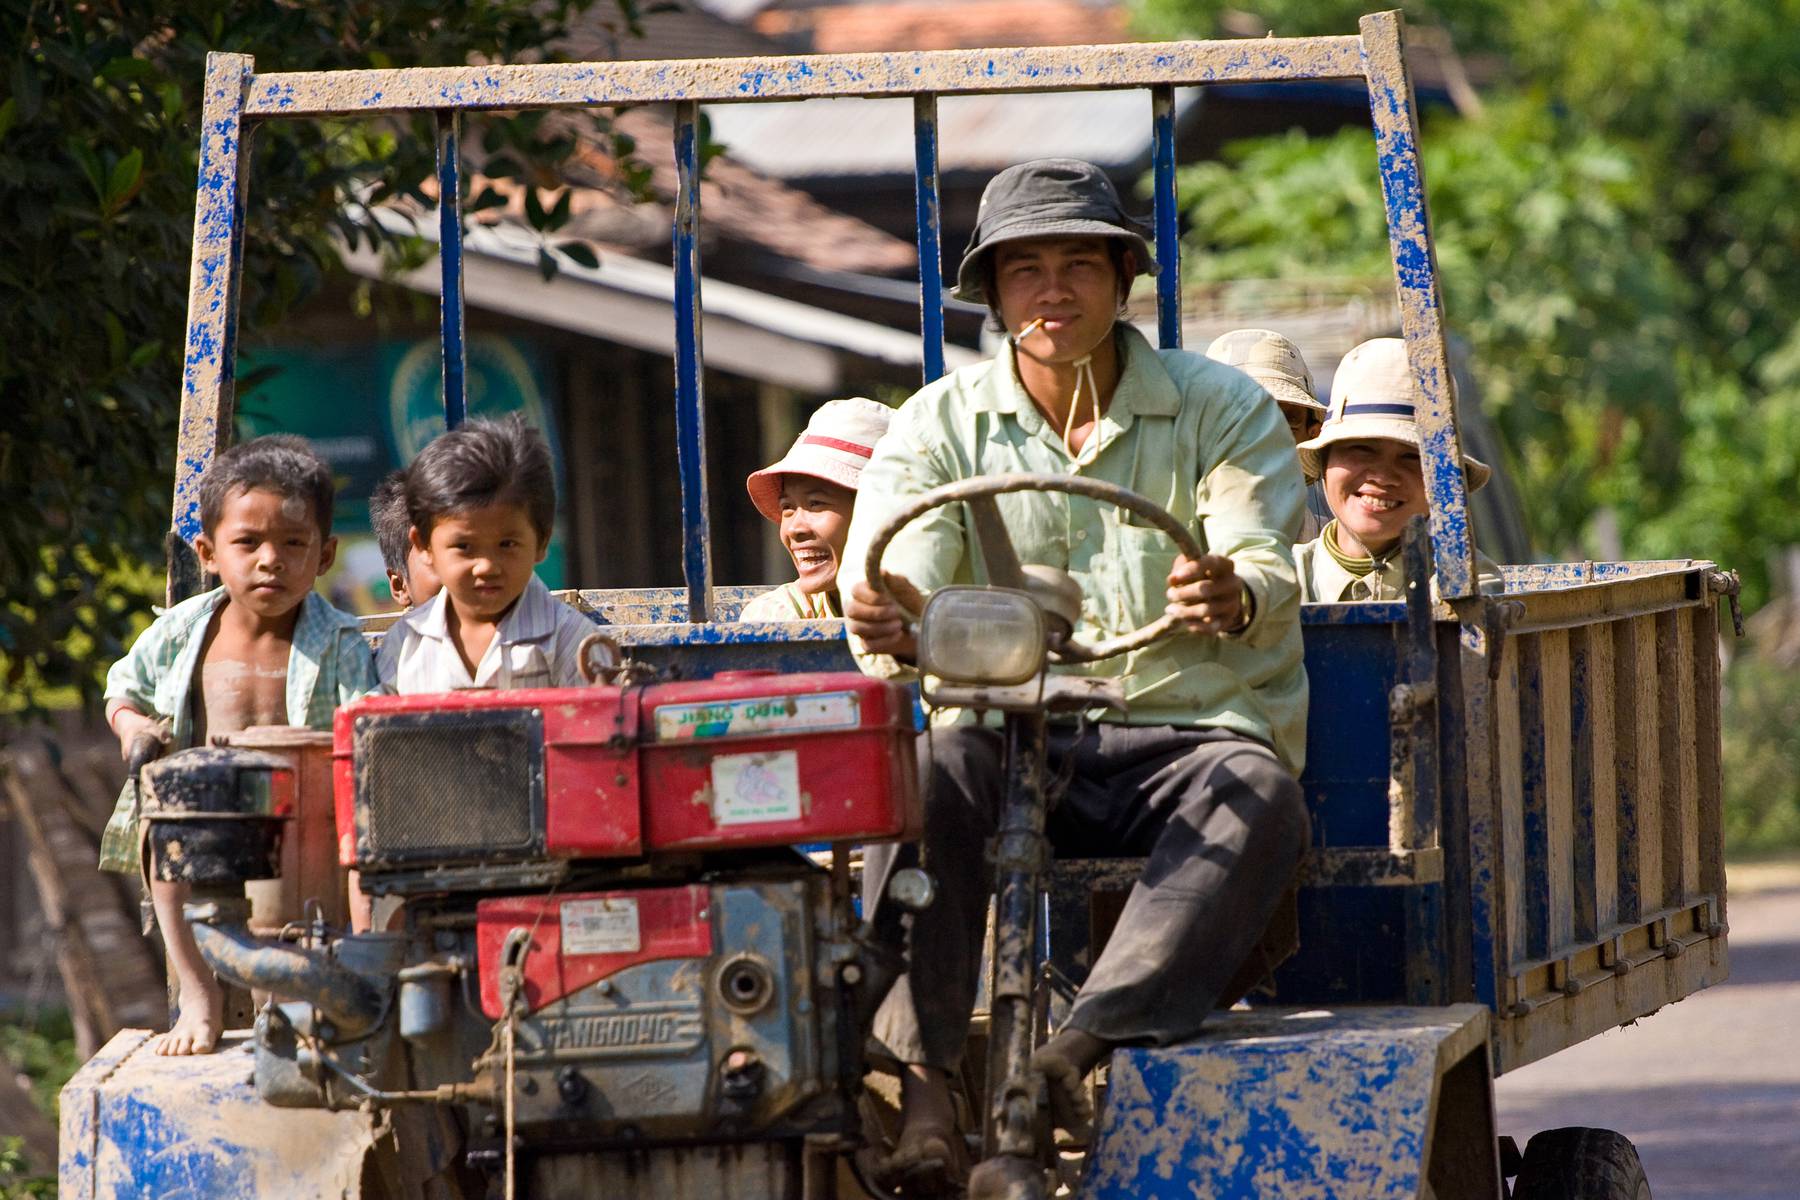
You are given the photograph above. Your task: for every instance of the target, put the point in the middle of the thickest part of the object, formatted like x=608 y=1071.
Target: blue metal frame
x=450 y=304
x=1168 y=218
x=931 y=254
x=235 y=95
x=690 y=397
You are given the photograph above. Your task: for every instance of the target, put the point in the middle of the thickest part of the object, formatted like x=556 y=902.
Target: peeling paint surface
x=139 y=1125
x=945 y=72
x=1421 y=303
x=210 y=354
x=1317 y=1105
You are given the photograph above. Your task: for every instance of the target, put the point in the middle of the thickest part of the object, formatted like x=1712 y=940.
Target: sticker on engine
x=760 y=714
x=605 y=926
x=750 y=788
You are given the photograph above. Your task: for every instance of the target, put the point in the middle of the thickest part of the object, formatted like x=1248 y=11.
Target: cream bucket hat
x=835 y=447
x=1271 y=360
x=1372 y=396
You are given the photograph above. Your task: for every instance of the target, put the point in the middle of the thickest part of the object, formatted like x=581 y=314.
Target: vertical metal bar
x=450 y=261
x=210 y=362
x=931 y=253
x=1421 y=303
x=1168 y=223
x=690 y=400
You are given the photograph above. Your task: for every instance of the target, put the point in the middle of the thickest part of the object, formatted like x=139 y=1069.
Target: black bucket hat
x=1047 y=197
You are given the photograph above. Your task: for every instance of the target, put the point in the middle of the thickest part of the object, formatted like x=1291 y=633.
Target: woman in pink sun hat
x=809 y=494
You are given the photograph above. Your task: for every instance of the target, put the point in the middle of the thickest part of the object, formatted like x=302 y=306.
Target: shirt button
x=1081 y=535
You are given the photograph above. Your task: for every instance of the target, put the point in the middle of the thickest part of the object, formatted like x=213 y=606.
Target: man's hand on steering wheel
x=876 y=618
x=1206 y=595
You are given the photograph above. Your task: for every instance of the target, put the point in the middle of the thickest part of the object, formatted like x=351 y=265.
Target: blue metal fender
x=137 y=1124
x=1302 y=1104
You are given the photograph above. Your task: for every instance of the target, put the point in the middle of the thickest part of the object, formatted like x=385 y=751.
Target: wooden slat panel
x=1559 y=801
x=1706 y=744
x=1534 y=789
x=1680 y=781
x=1507 y=758
x=1640 y=762
x=1596 y=781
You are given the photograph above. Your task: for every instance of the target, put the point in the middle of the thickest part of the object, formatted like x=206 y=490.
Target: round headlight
x=988 y=636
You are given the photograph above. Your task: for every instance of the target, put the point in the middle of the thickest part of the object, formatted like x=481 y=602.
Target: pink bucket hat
x=835 y=447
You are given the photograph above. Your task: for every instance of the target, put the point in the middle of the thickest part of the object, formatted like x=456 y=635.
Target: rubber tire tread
x=1578 y=1163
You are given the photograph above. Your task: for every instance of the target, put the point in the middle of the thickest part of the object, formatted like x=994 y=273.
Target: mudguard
x=1304 y=1104
x=138 y=1124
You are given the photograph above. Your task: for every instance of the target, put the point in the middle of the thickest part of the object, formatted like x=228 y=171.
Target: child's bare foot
x=198 y=1022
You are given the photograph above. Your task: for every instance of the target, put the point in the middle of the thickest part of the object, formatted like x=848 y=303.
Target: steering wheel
x=1002 y=559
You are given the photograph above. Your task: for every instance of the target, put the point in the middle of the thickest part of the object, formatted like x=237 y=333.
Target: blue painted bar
x=931 y=255
x=450 y=260
x=690 y=399
x=790 y=77
x=1535 y=943
x=1168 y=219
x=1421 y=302
x=209 y=365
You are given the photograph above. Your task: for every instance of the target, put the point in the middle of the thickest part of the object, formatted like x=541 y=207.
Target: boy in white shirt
x=482 y=501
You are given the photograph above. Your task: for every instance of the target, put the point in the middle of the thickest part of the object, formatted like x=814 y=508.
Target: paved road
x=1708 y=1089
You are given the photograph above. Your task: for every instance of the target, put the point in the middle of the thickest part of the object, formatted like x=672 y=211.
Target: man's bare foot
x=929 y=1157
x=197 y=1023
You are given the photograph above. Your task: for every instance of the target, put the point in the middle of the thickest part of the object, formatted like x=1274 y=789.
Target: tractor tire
x=1581 y=1164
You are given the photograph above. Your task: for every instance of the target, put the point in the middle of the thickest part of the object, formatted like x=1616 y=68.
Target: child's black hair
x=281 y=463
x=389 y=520
x=480 y=464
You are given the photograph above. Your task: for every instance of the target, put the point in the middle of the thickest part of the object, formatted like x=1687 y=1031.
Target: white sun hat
x=835 y=447
x=1271 y=360
x=1372 y=396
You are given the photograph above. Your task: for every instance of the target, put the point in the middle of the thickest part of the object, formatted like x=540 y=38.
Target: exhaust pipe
x=351 y=1002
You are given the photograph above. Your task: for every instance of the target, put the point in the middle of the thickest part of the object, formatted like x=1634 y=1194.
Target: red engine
x=744 y=759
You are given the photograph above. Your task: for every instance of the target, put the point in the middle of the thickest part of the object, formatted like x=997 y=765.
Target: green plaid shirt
x=329 y=665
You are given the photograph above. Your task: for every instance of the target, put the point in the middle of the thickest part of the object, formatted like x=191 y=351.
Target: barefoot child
x=261 y=649
x=410 y=580
x=482 y=503
x=809 y=494
x=1367 y=457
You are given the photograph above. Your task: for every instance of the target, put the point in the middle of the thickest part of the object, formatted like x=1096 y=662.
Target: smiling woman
x=809 y=494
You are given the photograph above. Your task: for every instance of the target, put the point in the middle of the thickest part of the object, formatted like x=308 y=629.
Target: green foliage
x=18 y=1178
x=1569 y=307
x=1617 y=240
x=99 y=129
x=1762 y=744
x=44 y=1051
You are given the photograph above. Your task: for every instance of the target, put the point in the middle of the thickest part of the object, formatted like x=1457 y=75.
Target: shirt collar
x=532 y=619
x=1144 y=388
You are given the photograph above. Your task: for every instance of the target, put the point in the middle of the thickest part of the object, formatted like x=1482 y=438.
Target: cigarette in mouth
x=1027 y=331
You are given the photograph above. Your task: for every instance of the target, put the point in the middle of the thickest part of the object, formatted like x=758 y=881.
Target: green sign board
x=370 y=407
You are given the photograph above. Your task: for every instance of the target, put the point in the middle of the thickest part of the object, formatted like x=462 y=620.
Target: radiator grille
x=450 y=786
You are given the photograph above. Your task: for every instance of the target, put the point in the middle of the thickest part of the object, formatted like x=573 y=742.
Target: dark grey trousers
x=1221 y=821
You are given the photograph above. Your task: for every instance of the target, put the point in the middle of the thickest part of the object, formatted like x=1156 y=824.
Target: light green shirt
x=1195 y=436
x=329 y=665
x=1324 y=580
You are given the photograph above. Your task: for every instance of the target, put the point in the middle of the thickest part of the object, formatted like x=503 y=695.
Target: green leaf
x=122 y=183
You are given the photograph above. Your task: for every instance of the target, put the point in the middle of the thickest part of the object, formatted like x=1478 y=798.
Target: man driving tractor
x=1198 y=775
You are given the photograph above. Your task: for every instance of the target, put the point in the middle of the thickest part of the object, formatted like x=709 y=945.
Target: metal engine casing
x=643 y=1055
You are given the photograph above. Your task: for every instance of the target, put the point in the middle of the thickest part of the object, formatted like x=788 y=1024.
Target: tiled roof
x=964 y=24
x=737 y=204
x=676 y=29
